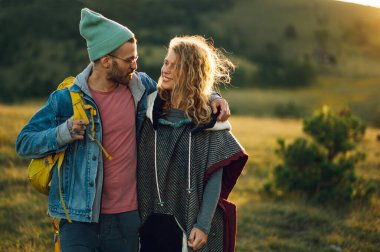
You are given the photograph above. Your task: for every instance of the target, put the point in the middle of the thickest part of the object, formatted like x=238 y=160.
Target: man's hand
x=197 y=239
x=222 y=104
x=76 y=128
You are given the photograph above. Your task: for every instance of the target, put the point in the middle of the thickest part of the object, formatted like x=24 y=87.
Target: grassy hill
x=346 y=31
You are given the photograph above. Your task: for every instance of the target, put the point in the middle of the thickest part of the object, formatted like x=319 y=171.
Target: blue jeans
x=113 y=233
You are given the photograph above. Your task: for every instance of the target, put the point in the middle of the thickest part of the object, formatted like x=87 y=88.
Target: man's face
x=124 y=64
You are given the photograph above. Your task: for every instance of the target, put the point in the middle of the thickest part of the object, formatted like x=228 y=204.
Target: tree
x=323 y=169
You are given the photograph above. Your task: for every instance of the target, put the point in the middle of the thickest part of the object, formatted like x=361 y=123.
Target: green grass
x=23 y=220
x=264 y=224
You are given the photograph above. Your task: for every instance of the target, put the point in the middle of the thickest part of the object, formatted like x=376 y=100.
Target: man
x=99 y=193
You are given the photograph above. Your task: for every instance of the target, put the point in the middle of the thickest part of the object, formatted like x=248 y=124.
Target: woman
x=188 y=162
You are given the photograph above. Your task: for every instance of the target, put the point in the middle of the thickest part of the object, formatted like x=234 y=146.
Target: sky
x=374 y=3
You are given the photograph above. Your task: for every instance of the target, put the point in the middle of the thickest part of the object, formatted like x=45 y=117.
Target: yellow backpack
x=40 y=169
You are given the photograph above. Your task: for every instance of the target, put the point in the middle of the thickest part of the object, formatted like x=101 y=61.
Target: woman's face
x=169 y=71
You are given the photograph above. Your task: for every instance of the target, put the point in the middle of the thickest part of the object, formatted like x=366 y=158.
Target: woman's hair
x=199 y=68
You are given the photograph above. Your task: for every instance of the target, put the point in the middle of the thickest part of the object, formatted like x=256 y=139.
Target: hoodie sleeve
x=209 y=201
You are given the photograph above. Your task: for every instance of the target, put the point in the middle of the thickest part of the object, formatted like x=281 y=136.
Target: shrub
x=337 y=133
x=323 y=169
x=290 y=32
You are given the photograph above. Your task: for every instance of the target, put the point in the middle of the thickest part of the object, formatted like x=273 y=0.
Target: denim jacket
x=82 y=168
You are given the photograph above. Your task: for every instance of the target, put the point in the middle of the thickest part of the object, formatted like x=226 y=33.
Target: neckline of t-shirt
x=105 y=92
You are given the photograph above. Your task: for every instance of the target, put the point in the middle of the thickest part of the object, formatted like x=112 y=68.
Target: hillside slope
x=341 y=38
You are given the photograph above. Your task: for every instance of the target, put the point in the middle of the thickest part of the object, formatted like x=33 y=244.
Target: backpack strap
x=66 y=83
x=78 y=107
x=80 y=114
x=57 y=244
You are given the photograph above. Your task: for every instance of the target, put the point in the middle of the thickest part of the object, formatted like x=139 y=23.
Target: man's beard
x=118 y=76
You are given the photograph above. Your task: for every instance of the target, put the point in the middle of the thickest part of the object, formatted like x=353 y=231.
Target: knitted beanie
x=102 y=34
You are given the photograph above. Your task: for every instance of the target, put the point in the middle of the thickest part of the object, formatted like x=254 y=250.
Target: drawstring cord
x=160 y=202
x=188 y=189
x=92 y=136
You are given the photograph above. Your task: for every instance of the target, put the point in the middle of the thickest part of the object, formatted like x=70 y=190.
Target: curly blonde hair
x=199 y=68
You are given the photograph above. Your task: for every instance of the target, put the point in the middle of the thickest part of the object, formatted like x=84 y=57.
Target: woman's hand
x=197 y=238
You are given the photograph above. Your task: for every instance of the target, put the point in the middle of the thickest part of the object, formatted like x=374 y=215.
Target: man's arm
x=148 y=82
x=38 y=138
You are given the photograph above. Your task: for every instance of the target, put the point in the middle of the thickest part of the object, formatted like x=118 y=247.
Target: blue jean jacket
x=82 y=168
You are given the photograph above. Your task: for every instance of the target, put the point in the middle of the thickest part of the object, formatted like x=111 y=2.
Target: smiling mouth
x=166 y=79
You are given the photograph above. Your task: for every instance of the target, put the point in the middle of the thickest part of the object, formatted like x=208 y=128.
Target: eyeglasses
x=129 y=60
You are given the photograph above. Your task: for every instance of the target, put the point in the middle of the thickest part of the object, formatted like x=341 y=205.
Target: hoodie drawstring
x=189 y=190
x=160 y=202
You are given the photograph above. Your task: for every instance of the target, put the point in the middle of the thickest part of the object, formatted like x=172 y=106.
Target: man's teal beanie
x=102 y=34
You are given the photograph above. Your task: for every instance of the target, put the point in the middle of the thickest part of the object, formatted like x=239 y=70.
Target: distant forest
x=40 y=42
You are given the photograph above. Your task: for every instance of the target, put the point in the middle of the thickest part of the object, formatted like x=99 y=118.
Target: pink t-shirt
x=117 y=113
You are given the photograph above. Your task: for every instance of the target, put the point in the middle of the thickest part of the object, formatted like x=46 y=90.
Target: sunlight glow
x=373 y=3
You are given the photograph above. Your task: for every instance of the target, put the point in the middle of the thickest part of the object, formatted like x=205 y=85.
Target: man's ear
x=105 y=61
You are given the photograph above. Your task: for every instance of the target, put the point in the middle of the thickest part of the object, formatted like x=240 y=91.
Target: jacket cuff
x=63 y=135
x=214 y=96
